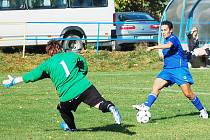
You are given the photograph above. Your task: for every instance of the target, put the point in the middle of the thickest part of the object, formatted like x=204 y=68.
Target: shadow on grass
x=123 y=128
x=178 y=115
x=29 y=49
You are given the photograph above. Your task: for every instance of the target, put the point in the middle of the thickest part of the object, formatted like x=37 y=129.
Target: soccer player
x=67 y=71
x=175 y=70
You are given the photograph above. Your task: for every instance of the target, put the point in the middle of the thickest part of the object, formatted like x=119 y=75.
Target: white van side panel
x=14 y=24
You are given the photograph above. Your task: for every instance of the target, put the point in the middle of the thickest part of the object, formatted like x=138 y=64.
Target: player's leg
x=65 y=109
x=158 y=84
x=183 y=78
x=108 y=106
x=94 y=99
x=186 y=89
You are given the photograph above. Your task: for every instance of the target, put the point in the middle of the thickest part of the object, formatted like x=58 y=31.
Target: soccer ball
x=143 y=116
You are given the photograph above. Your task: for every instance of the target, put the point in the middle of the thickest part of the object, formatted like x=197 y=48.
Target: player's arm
x=36 y=74
x=161 y=46
x=32 y=76
x=189 y=35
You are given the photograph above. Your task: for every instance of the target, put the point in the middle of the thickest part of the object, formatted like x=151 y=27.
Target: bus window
x=100 y=3
x=88 y=3
x=12 y=4
x=80 y=3
x=4 y=4
x=59 y=3
x=34 y=4
x=42 y=4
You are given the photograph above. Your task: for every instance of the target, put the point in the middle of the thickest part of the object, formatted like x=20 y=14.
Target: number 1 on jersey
x=65 y=68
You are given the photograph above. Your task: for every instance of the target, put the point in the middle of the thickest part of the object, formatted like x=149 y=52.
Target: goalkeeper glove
x=9 y=82
x=80 y=64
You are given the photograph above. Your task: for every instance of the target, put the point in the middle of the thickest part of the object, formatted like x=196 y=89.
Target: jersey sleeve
x=36 y=74
x=174 y=41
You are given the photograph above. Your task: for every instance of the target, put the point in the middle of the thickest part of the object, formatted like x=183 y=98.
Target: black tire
x=73 y=45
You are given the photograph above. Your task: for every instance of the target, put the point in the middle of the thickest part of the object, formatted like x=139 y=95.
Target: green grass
x=28 y=111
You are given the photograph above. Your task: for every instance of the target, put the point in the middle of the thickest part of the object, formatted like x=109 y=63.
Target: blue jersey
x=174 y=57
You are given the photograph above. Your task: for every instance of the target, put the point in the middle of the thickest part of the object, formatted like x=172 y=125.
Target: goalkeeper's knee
x=59 y=108
x=104 y=106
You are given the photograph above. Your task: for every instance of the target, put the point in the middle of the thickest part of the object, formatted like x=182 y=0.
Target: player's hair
x=53 y=47
x=168 y=23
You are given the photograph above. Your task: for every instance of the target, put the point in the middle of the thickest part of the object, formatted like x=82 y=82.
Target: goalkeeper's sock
x=196 y=102
x=150 y=99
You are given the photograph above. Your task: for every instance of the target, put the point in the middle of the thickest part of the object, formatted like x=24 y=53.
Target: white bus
x=35 y=22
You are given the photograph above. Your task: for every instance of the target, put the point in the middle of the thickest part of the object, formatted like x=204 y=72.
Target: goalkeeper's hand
x=9 y=82
x=80 y=64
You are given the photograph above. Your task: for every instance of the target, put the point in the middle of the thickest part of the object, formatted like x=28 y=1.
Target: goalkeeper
x=68 y=72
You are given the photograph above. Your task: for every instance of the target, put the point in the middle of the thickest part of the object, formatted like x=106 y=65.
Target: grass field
x=28 y=111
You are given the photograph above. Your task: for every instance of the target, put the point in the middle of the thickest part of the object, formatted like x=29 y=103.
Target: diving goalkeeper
x=67 y=71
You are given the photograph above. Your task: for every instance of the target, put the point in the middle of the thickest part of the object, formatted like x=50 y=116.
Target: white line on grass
x=179 y=91
x=165 y=90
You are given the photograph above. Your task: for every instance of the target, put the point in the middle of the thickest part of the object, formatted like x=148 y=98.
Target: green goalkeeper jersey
x=68 y=78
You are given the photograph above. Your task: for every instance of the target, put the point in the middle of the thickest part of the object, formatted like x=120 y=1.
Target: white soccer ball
x=143 y=116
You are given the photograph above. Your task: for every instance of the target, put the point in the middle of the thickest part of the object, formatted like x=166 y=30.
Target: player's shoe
x=116 y=115
x=141 y=107
x=65 y=127
x=204 y=114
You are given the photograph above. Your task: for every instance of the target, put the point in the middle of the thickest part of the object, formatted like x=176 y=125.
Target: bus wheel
x=73 y=45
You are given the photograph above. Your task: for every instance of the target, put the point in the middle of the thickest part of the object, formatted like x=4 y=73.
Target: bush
x=104 y=60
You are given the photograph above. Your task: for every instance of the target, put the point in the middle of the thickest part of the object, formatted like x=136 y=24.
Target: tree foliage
x=153 y=7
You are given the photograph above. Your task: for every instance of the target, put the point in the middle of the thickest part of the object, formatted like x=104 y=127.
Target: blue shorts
x=179 y=76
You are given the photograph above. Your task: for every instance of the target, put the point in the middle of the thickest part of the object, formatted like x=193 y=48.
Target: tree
x=153 y=7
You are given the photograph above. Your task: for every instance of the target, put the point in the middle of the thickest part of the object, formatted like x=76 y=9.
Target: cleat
x=141 y=107
x=116 y=115
x=203 y=114
x=65 y=127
